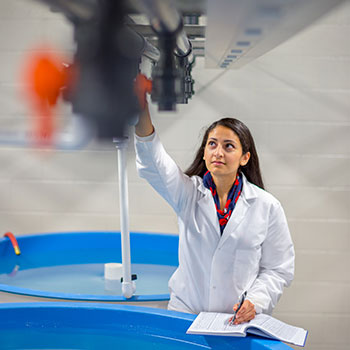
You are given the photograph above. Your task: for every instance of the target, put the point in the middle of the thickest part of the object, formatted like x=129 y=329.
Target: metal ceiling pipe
x=86 y=10
x=133 y=44
x=162 y=14
x=148 y=50
x=74 y=10
x=165 y=19
x=183 y=45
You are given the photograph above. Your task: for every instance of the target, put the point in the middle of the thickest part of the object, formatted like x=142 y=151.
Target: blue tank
x=70 y=266
x=72 y=325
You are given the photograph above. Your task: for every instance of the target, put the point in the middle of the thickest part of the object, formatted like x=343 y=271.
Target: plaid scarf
x=232 y=198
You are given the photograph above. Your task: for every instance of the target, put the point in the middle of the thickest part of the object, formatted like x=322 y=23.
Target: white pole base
x=128 y=289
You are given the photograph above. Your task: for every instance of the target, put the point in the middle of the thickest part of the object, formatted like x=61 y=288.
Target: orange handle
x=13 y=241
x=45 y=76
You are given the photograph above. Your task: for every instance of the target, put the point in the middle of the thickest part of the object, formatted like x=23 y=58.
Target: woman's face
x=223 y=153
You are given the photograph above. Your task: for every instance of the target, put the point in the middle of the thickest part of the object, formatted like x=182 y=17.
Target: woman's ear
x=245 y=159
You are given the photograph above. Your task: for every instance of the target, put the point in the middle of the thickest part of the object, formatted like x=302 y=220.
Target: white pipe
x=128 y=286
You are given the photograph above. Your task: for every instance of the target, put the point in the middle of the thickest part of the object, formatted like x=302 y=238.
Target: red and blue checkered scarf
x=232 y=198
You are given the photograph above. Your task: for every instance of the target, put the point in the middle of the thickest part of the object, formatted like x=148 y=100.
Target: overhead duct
x=240 y=31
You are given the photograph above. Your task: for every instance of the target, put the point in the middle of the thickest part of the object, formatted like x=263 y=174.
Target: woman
x=233 y=235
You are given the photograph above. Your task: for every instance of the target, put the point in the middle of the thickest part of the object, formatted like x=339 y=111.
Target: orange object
x=45 y=76
x=142 y=86
x=13 y=241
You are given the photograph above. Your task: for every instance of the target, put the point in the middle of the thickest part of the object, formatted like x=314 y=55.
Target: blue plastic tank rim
x=99 y=306
x=149 y=326
x=165 y=251
x=66 y=296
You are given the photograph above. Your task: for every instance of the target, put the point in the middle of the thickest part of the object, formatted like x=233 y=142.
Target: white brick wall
x=295 y=99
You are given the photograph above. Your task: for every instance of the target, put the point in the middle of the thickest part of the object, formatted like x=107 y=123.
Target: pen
x=238 y=308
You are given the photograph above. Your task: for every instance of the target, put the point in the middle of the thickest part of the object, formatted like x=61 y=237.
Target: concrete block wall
x=296 y=101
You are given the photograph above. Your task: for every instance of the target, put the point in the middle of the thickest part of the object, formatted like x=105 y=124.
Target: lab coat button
x=214 y=287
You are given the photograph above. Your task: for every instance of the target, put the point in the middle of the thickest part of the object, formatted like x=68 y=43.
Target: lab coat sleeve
x=160 y=170
x=276 y=265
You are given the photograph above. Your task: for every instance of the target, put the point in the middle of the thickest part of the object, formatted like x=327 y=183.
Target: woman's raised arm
x=144 y=126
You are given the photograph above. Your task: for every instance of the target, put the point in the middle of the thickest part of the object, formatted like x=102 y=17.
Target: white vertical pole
x=128 y=286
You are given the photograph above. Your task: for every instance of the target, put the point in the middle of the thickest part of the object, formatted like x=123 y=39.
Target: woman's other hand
x=246 y=313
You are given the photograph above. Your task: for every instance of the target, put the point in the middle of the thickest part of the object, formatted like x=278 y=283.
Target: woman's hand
x=144 y=126
x=142 y=86
x=246 y=313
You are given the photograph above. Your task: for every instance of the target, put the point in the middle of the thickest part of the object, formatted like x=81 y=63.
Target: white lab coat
x=255 y=252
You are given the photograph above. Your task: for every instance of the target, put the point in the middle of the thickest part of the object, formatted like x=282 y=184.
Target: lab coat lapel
x=236 y=218
x=207 y=206
x=247 y=196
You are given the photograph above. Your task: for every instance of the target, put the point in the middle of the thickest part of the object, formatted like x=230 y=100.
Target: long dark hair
x=251 y=170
